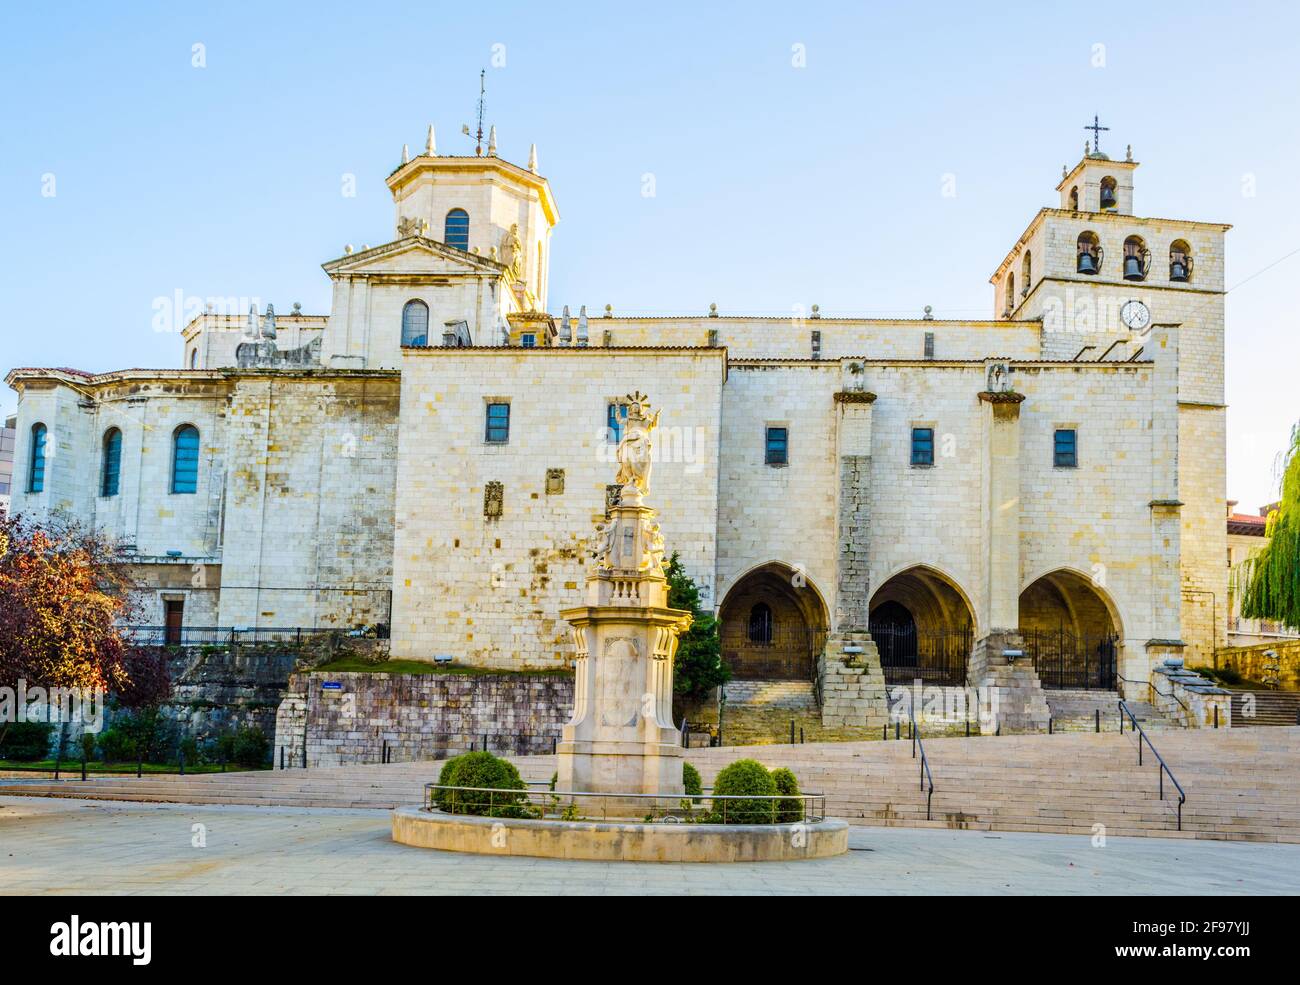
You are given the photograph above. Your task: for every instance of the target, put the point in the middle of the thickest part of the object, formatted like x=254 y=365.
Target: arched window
x=1109 y=203
x=1011 y=294
x=455 y=231
x=36 y=470
x=760 y=624
x=415 y=323
x=185 y=459
x=1180 y=261
x=1026 y=273
x=1074 y=199
x=194 y=359
x=1137 y=259
x=110 y=469
x=1088 y=253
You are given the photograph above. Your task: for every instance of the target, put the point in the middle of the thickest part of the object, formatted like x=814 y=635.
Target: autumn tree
x=65 y=598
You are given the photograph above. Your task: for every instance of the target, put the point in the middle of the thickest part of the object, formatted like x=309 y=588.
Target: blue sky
x=775 y=185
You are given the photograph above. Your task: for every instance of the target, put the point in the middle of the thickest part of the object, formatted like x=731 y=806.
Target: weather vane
x=482 y=95
x=1096 y=129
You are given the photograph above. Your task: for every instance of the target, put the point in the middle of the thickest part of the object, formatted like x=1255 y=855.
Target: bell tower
x=481 y=204
x=1098 y=184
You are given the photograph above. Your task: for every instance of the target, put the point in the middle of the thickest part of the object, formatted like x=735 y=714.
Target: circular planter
x=619 y=841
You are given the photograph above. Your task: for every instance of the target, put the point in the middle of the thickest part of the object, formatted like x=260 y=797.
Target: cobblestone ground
x=79 y=847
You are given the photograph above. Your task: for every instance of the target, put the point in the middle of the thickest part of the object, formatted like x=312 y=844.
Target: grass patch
x=355 y=665
x=69 y=766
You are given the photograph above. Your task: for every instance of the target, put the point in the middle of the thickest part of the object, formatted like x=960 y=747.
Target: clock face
x=1135 y=315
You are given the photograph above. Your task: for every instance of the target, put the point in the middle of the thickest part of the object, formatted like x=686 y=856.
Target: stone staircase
x=1077 y=711
x=1271 y=708
x=791 y=695
x=761 y=711
x=1242 y=784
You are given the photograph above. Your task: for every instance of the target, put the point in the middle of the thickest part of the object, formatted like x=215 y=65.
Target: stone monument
x=621 y=739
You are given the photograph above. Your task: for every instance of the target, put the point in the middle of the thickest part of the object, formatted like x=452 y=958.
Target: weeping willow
x=1269 y=580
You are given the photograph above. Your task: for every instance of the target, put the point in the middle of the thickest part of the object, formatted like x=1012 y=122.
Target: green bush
x=744 y=778
x=787 y=811
x=189 y=748
x=88 y=745
x=116 y=745
x=691 y=783
x=248 y=746
x=482 y=769
x=26 y=742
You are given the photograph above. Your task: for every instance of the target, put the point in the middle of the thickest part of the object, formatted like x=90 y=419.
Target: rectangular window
x=922 y=446
x=498 y=424
x=1065 y=451
x=528 y=340
x=615 y=415
x=777 y=447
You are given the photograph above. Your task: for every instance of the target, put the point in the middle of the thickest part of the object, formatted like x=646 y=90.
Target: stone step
x=1241 y=783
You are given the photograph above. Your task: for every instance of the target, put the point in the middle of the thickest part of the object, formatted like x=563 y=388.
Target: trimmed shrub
x=691 y=782
x=787 y=811
x=88 y=745
x=482 y=769
x=743 y=778
x=26 y=742
x=116 y=745
x=247 y=746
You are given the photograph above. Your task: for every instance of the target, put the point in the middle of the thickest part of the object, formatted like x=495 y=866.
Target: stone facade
x=324 y=488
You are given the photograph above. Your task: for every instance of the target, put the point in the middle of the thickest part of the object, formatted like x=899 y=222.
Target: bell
x=1087 y=263
x=1178 y=270
x=1108 y=200
x=1132 y=268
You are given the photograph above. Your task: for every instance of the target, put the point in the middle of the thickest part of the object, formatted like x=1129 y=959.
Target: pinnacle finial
x=406 y=153
x=532 y=159
x=430 y=148
x=492 y=141
x=1128 y=153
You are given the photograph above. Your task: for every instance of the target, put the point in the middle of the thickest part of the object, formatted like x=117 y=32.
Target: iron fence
x=1063 y=660
x=935 y=657
x=241 y=635
x=574 y=805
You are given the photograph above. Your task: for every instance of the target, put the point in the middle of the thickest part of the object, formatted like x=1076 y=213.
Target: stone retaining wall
x=348 y=718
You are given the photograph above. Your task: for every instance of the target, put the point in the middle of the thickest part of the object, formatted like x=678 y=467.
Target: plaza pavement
x=62 y=846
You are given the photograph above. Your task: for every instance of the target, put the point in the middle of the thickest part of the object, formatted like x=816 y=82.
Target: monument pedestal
x=622 y=739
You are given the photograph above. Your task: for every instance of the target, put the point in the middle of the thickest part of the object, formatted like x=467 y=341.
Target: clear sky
x=775 y=184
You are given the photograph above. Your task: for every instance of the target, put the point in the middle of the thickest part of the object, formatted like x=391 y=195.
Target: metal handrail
x=1156 y=690
x=1164 y=767
x=925 y=760
x=813 y=804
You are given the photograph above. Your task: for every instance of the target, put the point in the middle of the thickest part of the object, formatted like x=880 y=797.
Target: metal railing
x=566 y=805
x=1151 y=685
x=1164 y=767
x=236 y=635
x=925 y=760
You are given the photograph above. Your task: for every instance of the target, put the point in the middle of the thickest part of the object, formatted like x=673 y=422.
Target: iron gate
x=933 y=657
x=1063 y=660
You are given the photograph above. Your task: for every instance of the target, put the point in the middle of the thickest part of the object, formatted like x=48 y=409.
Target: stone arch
x=1065 y=596
x=923 y=624
x=791 y=615
x=1072 y=629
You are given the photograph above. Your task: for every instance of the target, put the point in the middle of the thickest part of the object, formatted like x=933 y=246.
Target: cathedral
x=1043 y=488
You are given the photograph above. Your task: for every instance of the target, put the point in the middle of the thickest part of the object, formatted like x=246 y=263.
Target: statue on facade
x=635 y=458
